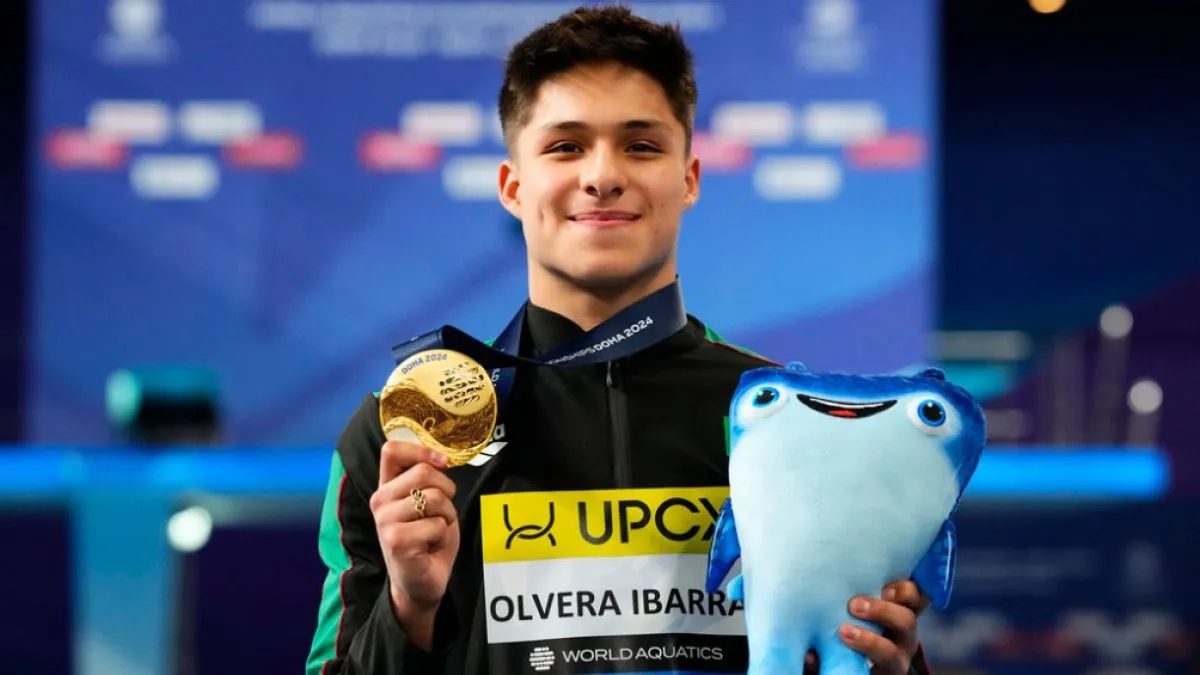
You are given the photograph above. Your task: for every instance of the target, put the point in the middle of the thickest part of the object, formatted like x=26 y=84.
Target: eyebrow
x=628 y=125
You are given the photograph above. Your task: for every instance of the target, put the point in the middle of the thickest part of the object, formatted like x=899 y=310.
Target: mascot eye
x=932 y=413
x=766 y=396
x=760 y=403
x=929 y=415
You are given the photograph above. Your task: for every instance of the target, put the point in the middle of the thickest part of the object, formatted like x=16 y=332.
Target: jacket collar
x=547 y=330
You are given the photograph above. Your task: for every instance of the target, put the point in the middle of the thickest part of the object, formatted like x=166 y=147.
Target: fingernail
x=889 y=594
x=437 y=458
x=861 y=606
x=850 y=632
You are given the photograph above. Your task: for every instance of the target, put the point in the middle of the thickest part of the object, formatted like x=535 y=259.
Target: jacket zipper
x=618 y=417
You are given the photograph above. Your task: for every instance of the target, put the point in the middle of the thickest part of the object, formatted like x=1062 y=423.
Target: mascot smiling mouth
x=845 y=409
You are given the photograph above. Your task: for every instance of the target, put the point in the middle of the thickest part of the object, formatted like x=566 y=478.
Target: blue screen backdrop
x=282 y=190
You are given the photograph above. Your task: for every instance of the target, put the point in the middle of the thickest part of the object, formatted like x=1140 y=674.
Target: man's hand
x=897 y=610
x=893 y=652
x=418 y=533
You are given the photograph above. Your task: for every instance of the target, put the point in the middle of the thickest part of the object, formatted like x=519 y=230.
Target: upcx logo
x=536 y=525
x=676 y=518
x=529 y=530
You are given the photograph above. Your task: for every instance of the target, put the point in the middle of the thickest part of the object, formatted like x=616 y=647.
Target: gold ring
x=419 y=502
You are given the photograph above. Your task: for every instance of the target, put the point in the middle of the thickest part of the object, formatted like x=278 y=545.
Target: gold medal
x=443 y=400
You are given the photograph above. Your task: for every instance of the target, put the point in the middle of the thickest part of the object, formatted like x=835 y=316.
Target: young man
x=597 y=109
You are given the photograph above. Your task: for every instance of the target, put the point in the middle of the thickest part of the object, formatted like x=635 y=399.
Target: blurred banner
x=1103 y=589
x=281 y=190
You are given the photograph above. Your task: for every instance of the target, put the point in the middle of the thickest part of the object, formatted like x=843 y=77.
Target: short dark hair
x=589 y=35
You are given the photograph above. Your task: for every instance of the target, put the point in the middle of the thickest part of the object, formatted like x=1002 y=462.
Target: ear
x=510 y=184
x=933 y=374
x=796 y=366
x=691 y=180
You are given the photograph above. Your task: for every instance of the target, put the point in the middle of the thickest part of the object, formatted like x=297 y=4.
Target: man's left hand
x=896 y=611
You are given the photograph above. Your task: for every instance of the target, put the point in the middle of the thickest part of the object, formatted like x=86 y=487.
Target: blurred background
x=218 y=217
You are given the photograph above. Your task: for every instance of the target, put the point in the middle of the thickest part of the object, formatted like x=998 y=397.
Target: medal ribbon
x=642 y=324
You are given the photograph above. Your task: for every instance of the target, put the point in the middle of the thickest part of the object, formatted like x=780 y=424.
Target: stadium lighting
x=1047 y=6
x=188 y=531
x=1145 y=397
x=1116 y=321
x=1145 y=404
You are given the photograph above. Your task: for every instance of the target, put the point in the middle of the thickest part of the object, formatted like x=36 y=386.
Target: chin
x=614 y=275
x=600 y=283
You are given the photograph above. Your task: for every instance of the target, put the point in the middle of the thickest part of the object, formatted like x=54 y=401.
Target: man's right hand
x=418 y=550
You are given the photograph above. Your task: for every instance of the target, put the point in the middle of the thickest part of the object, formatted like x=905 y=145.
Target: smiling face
x=904 y=416
x=600 y=176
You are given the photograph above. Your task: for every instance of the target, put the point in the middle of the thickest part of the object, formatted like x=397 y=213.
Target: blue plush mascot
x=839 y=484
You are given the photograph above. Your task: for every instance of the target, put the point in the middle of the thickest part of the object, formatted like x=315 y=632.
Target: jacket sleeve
x=919 y=665
x=357 y=633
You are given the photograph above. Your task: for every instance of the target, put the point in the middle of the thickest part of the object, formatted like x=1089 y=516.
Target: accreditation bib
x=608 y=581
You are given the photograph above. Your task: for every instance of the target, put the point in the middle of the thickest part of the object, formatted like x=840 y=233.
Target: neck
x=590 y=307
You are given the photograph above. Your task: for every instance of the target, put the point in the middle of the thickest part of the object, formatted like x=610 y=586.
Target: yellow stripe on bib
x=604 y=523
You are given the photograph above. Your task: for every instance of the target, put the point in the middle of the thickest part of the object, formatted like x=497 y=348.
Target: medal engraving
x=443 y=400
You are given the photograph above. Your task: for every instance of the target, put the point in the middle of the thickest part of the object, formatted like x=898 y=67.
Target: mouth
x=604 y=218
x=845 y=409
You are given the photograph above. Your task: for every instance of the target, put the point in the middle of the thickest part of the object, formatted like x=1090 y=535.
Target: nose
x=601 y=176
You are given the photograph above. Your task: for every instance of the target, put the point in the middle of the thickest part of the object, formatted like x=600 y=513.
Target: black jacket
x=655 y=419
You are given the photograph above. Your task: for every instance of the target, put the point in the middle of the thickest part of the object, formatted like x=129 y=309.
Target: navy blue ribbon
x=642 y=324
